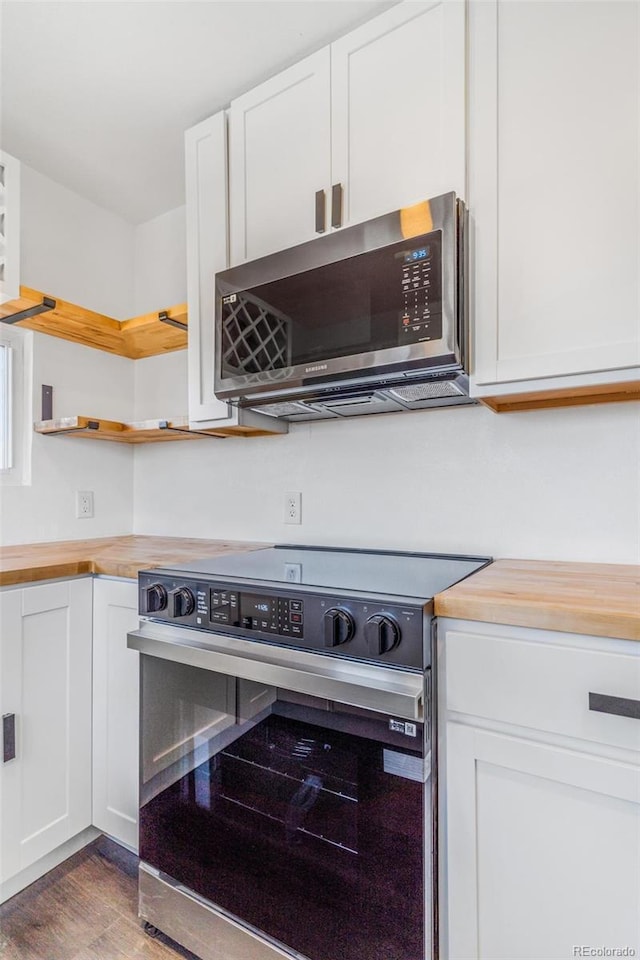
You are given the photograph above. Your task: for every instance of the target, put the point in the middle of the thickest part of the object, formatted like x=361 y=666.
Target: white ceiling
x=97 y=95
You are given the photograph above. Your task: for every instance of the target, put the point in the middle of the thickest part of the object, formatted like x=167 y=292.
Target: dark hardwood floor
x=85 y=909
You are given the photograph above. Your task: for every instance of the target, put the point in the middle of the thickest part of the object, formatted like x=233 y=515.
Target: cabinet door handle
x=618 y=706
x=8 y=737
x=320 y=214
x=336 y=205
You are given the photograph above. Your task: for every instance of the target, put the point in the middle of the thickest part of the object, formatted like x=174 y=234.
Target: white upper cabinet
x=206 y=211
x=279 y=145
x=9 y=227
x=398 y=110
x=554 y=189
x=376 y=121
x=207 y=254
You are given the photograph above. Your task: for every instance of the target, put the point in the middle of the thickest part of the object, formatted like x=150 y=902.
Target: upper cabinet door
x=207 y=254
x=554 y=187
x=280 y=154
x=398 y=108
x=206 y=196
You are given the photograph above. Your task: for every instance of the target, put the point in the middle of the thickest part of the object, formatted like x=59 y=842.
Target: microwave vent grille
x=284 y=409
x=416 y=392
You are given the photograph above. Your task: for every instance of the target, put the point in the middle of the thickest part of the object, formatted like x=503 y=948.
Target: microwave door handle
x=336 y=205
x=320 y=211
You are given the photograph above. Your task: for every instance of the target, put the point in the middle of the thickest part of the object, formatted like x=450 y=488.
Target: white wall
x=553 y=484
x=92 y=383
x=161 y=386
x=160 y=262
x=76 y=250
x=79 y=252
x=73 y=249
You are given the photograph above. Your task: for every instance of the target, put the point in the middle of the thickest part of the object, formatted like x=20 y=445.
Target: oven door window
x=301 y=817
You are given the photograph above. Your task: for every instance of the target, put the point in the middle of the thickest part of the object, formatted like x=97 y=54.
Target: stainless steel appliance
x=369 y=319
x=288 y=753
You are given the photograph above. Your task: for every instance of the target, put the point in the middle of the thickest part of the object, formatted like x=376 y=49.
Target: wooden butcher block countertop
x=593 y=598
x=112 y=556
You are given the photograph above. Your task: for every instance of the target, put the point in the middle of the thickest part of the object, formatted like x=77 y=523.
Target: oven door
x=304 y=821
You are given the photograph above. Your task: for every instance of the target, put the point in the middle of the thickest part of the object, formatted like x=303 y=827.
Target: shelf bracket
x=164 y=317
x=47 y=402
x=48 y=303
x=164 y=425
x=91 y=425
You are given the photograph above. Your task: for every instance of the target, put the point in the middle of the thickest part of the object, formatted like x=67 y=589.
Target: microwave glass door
x=374 y=301
x=303 y=818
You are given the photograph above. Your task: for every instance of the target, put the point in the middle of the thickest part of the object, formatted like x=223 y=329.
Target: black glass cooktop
x=417 y=575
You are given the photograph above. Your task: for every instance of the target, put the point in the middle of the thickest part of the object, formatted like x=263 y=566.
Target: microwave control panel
x=421 y=310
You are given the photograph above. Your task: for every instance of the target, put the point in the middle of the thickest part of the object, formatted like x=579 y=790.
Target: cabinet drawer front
x=45 y=597
x=544 y=686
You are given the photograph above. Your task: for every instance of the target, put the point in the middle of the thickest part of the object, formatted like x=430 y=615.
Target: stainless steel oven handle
x=398 y=693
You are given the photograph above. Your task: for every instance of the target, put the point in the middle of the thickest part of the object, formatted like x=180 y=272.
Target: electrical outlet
x=293 y=506
x=293 y=572
x=84 y=504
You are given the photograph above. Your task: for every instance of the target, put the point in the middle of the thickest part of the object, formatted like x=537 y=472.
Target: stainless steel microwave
x=371 y=318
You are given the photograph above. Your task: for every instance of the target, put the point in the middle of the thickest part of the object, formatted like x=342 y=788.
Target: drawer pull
x=8 y=737
x=320 y=207
x=618 y=706
x=336 y=205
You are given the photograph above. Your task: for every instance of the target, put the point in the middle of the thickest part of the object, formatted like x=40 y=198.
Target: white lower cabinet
x=540 y=826
x=45 y=683
x=115 y=710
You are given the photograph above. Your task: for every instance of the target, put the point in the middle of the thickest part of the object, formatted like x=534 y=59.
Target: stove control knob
x=382 y=634
x=338 y=627
x=156 y=598
x=182 y=602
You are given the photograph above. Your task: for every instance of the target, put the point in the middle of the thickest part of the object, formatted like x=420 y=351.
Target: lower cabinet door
x=45 y=684
x=115 y=711
x=543 y=849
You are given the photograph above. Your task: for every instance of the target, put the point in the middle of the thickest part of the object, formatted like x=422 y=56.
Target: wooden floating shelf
x=568 y=397
x=138 y=337
x=142 y=431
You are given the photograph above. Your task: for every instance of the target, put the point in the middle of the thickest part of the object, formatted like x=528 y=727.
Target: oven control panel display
x=359 y=627
x=253 y=611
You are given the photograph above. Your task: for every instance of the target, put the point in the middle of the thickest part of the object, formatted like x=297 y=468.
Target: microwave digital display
x=374 y=301
x=414 y=255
